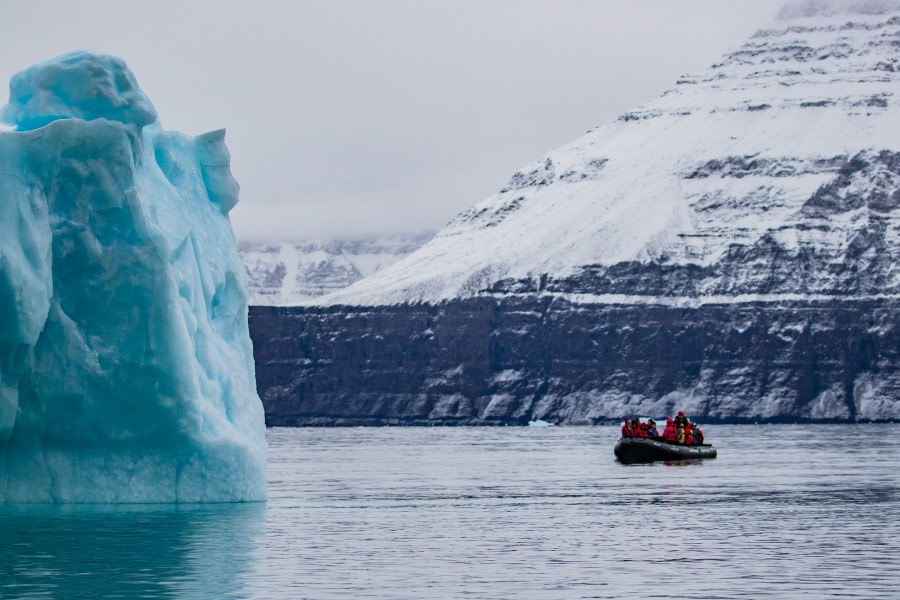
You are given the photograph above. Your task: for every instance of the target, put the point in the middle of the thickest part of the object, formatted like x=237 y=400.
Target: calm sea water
x=784 y=512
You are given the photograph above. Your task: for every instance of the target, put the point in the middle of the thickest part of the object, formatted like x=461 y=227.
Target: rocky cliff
x=515 y=359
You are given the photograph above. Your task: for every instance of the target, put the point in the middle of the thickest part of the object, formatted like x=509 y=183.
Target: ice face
x=126 y=368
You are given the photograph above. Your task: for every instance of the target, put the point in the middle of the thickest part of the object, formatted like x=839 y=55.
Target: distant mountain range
x=290 y=273
x=731 y=248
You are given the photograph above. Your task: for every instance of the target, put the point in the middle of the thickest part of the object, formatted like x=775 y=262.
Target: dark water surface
x=784 y=512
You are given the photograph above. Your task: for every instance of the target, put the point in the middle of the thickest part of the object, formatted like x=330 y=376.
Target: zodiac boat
x=631 y=450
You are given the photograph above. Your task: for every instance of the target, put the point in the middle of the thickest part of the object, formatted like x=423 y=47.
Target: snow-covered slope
x=789 y=141
x=288 y=273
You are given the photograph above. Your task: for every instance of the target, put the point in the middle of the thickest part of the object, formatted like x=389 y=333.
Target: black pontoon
x=630 y=450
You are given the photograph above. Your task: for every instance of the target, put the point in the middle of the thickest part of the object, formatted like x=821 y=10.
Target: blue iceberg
x=126 y=367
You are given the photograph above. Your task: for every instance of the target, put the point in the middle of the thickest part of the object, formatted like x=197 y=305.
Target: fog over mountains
x=291 y=273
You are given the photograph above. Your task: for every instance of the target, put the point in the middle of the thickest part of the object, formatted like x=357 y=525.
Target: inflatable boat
x=631 y=450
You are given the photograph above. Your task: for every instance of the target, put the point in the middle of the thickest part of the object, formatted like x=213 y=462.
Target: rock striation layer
x=511 y=360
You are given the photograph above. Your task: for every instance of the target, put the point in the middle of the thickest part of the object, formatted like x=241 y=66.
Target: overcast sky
x=354 y=118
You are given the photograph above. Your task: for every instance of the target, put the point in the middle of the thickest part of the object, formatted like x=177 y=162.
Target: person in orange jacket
x=688 y=435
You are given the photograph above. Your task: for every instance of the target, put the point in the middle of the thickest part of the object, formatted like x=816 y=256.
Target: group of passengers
x=679 y=430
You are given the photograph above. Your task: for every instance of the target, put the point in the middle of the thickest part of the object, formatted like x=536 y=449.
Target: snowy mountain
x=289 y=273
x=729 y=248
x=760 y=151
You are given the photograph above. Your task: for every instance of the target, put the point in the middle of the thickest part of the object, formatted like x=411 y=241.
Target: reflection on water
x=783 y=512
x=141 y=551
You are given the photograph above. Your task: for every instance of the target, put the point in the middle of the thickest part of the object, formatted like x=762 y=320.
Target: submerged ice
x=126 y=368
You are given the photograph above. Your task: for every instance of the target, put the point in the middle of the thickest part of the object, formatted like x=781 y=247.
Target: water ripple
x=395 y=513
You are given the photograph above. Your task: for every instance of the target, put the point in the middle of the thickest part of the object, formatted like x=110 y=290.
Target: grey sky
x=350 y=118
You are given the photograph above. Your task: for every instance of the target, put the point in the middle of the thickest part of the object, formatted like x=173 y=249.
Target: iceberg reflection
x=146 y=551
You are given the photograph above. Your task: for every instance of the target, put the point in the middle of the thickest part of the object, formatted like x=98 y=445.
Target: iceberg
x=126 y=367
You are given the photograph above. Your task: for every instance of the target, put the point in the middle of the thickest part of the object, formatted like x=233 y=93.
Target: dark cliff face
x=513 y=359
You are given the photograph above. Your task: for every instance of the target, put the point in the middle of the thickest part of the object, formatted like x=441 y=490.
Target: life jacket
x=644 y=430
x=627 y=432
x=679 y=435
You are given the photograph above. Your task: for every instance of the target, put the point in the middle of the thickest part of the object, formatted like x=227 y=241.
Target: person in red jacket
x=688 y=435
x=627 y=431
x=669 y=431
x=645 y=429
